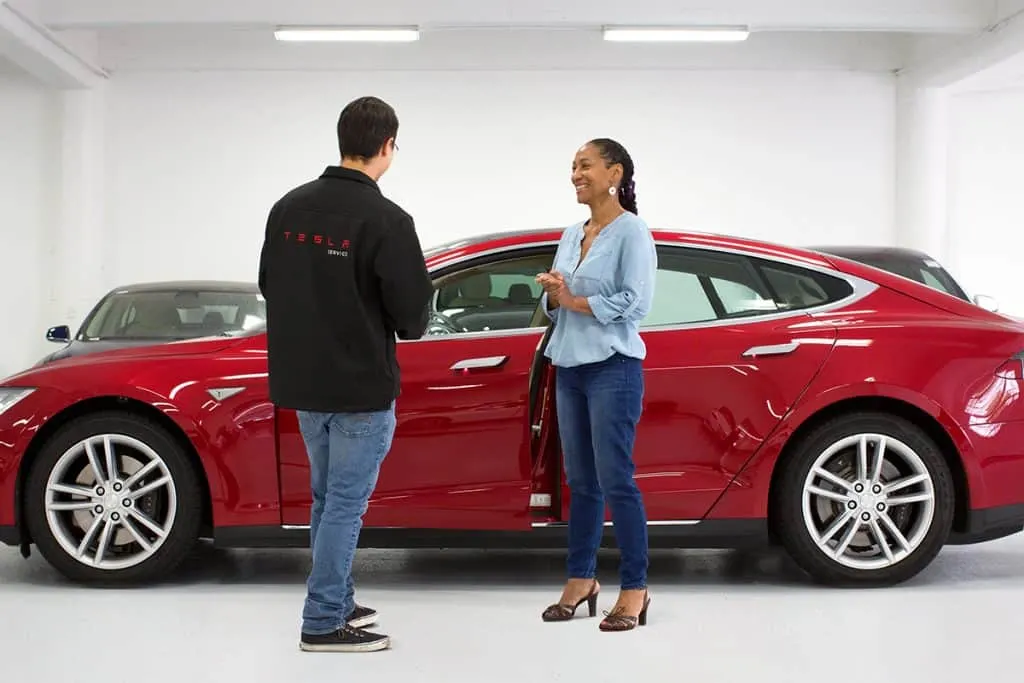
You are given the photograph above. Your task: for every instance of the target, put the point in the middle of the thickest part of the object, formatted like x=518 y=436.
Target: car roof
x=187 y=285
x=861 y=251
x=508 y=238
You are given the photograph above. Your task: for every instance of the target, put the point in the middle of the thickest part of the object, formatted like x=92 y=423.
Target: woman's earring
x=612 y=190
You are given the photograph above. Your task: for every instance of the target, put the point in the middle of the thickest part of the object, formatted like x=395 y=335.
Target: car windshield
x=174 y=314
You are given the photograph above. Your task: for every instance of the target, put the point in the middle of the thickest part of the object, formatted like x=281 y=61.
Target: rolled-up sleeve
x=555 y=262
x=639 y=263
x=552 y=314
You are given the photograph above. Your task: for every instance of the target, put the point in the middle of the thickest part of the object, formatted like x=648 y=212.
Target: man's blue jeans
x=599 y=406
x=345 y=454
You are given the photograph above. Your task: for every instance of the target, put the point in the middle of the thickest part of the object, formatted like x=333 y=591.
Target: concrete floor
x=475 y=616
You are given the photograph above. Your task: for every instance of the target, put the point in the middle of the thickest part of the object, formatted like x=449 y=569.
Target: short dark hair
x=364 y=126
x=614 y=153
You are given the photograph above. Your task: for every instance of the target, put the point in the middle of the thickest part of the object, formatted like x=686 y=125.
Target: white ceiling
x=873 y=35
x=957 y=16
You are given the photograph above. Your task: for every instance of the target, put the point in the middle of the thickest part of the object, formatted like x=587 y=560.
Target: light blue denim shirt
x=617 y=277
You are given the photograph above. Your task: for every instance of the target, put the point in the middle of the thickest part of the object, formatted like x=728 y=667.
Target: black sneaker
x=345 y=639
x=362 y=616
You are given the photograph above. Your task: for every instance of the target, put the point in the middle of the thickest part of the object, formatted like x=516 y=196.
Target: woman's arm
x=550 y=305
x=639 y=261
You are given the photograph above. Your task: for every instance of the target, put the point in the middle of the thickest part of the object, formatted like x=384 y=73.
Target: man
x=343 y=274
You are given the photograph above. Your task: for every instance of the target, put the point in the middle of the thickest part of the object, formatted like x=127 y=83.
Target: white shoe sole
x=364 y=647
x=365 y=621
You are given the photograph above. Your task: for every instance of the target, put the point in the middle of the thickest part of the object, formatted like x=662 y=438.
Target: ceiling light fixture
x=348 y=35
x=675 y=35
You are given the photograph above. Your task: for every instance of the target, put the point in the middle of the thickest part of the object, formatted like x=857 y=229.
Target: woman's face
x=591 y=176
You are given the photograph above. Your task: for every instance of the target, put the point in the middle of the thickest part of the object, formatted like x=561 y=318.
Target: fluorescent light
x=672 y=35
x=350 y=35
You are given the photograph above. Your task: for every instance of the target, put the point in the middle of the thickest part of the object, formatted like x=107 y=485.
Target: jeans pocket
x=360 y=424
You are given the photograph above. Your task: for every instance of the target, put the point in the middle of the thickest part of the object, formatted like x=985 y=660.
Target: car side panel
x=942 y=365
x=460 y=457
x=234 y=438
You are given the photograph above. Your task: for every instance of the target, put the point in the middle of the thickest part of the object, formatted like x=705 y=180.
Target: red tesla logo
x=333 y=248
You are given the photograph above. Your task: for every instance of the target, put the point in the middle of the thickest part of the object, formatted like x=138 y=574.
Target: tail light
x=1013 y=368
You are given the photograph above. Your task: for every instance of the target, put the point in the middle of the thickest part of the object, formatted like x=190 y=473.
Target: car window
x=795 y=288
x=695 y=285
x=494 y=295
x=698 y=285
x=678 y=298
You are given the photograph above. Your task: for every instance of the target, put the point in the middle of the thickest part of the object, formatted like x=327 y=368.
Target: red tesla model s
x=857 y=418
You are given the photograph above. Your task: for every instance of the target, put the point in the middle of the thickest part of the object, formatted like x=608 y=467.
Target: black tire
x=185 y=522
x=789 y=505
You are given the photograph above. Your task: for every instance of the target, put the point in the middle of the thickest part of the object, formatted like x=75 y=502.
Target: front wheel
x=112 y=498
x=865 y=500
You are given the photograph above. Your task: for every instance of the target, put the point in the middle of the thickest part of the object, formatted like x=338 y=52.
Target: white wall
x=986 y=202
x=26 y=183
x=195 y=159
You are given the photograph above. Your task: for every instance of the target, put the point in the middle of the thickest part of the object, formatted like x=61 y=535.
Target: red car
x=856 y=418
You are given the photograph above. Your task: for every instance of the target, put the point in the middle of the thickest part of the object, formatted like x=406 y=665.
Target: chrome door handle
x=771 y=350
x=479 y=363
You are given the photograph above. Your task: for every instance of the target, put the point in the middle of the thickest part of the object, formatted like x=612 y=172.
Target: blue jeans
x=345 y=454
x=599 y=406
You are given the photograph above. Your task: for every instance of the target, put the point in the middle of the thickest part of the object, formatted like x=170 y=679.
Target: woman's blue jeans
x=599 y=406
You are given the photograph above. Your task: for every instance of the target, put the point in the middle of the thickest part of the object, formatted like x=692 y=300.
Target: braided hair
x=614 y=153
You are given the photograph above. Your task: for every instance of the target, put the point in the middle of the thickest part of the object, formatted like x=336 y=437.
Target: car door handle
x=771 y=349
x=483 y=363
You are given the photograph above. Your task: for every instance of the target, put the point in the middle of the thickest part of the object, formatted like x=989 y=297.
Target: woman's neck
x=604 y=212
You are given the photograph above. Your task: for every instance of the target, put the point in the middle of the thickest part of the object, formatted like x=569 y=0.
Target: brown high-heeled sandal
x=564 y=612
x=616 y=620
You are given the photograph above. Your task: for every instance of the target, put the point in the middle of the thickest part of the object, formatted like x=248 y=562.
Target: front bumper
x=9 y=535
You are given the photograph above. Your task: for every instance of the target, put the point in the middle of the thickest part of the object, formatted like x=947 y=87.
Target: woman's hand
x=559 y=294
x=554 y=285
x=550 y=281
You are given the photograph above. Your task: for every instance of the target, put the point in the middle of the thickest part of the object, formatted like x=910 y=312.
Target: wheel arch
x=892 y=405
x=107 y=404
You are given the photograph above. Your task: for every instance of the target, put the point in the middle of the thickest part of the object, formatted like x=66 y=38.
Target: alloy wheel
x=110 y=501
x=868 y=501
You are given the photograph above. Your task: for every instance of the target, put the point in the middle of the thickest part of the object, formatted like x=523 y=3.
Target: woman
x=599 y=289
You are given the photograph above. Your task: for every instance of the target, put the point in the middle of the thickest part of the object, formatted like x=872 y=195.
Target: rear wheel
x=112 y=498
x=865 y=499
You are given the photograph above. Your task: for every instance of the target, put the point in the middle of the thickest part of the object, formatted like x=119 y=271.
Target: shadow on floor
x=481 y=568
x=448 y=569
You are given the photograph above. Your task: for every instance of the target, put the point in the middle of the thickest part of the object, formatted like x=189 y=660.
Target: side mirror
x=986 y=302
x=60 y=334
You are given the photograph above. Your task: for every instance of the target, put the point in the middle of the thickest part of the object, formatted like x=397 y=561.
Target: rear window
x=795 y=288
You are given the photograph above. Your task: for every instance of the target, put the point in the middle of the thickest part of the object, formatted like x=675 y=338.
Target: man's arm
x=265 y=251
x=404 y=282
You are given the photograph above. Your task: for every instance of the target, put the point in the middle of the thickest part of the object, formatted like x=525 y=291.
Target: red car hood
x=187 y=347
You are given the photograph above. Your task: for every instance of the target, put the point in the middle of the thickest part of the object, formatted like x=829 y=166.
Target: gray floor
x=474 y=616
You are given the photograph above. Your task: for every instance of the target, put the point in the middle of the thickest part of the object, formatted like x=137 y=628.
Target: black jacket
x=343 y=274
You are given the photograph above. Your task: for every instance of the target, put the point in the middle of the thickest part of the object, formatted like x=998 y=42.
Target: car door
x=461 y=456
x=731 y=345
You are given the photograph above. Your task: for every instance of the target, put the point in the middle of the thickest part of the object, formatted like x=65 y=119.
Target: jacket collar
x=342 y=173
